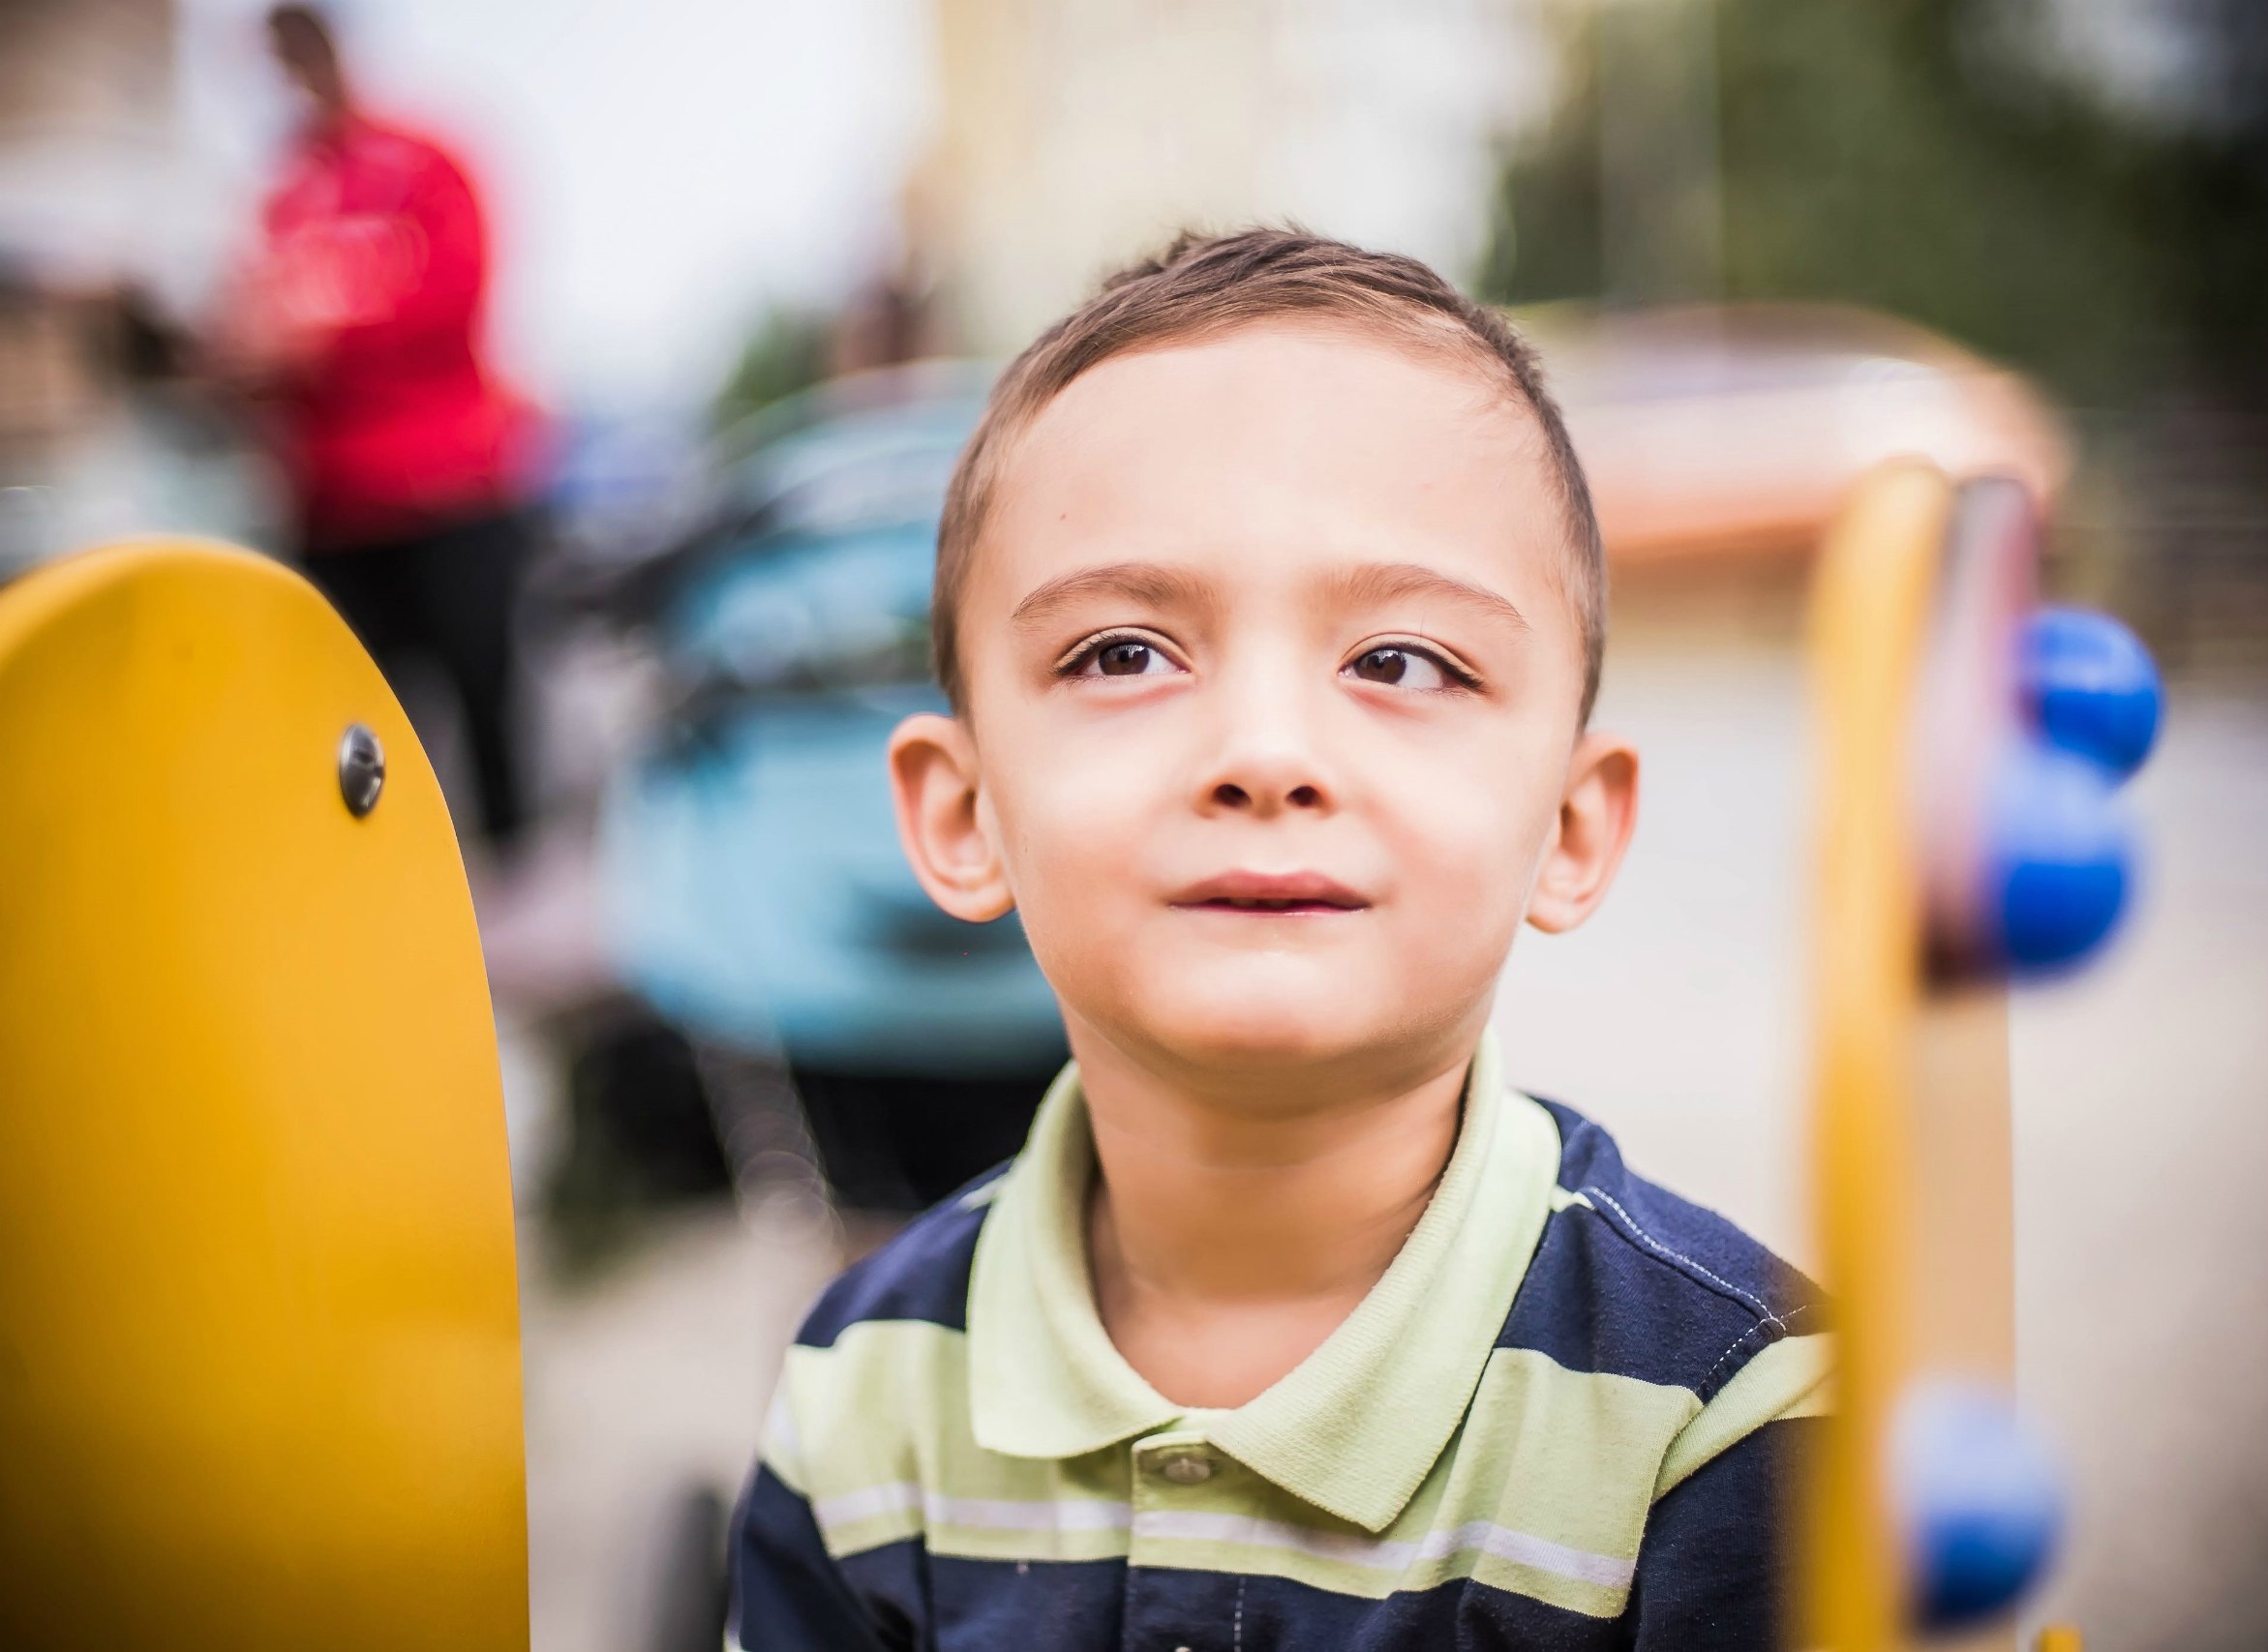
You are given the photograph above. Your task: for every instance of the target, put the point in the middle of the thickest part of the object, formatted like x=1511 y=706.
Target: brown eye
x=1125 y=659
x=1382 y=665
x=1121 y=655
x=1398 y=668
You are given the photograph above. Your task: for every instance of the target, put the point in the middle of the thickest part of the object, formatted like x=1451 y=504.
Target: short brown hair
x=1206 y=284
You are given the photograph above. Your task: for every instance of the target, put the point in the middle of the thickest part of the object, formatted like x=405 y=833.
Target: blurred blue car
x=757 y=896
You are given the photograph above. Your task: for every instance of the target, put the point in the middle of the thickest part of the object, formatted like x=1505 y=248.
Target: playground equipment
x=260 y=1363
x=1968 y=834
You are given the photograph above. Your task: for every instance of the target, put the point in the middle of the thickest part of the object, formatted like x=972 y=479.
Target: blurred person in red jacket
x=357 y=322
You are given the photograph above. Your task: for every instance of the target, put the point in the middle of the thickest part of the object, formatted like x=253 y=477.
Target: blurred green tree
x=1926 y=157
x=1944 y=160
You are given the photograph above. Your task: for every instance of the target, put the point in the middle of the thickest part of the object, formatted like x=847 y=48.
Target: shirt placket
x=1176 y=1502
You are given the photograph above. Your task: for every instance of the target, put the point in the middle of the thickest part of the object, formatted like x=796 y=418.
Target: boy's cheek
x=1066 y=806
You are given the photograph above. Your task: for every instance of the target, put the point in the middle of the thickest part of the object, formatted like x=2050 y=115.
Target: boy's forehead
x=1277 y=444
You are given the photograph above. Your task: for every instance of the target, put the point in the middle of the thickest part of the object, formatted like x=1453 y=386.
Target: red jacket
x=371 y=271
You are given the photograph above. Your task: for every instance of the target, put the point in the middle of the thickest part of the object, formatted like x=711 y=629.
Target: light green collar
x=1355 y=1427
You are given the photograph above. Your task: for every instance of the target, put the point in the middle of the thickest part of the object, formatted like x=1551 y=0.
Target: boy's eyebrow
x=1146 y=583
x=1384 y=582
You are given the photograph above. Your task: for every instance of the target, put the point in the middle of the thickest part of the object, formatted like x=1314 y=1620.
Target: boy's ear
x=934 y=781
x=1596 y=815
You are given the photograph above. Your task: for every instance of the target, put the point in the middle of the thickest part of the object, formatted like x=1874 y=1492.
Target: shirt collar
x=1355 y=1427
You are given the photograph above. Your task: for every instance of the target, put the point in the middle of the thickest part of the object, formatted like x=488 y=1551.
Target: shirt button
x=1189 y=1469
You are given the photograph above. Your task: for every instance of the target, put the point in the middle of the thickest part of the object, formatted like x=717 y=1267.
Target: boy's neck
x=1226 y=1243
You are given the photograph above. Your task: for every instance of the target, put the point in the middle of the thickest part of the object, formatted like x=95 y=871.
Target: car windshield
x=828 y=589
x=812 y=611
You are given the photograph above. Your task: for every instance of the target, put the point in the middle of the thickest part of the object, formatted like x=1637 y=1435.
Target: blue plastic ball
x=2091 y=687
x=1980 y=1500
x=2058 y=858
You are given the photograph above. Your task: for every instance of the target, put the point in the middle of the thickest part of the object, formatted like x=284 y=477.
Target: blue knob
x=2058 y=858
x=1980 y=1501
x=2091 y=687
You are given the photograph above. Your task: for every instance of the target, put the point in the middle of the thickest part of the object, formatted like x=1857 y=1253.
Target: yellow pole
x=1871 y=606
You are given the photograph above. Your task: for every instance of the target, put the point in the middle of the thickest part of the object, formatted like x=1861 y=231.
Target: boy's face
x=1272 y=689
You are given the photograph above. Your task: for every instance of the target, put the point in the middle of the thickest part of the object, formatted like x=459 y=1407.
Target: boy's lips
x=1270 y=894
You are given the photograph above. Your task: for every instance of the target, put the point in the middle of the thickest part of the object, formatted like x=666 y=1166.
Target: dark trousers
x=447 y=597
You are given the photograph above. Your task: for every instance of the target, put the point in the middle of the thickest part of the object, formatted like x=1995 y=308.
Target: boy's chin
x=1251 y=1030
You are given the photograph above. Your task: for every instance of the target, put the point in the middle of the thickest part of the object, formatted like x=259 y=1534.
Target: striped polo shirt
x=1562 y=1419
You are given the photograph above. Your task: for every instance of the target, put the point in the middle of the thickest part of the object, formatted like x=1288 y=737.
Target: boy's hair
x=1204 y=284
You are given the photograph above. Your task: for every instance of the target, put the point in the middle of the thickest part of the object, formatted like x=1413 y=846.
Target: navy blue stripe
x=1591 y=1302
x=922 y=1274
x=1038 y=1606
x=953 y=1604
x=1646 y=1284
x=1209 y=1611
x=788 y=1595
x=1713 y=1252
x=1717 y=1566
x=1713 y=1576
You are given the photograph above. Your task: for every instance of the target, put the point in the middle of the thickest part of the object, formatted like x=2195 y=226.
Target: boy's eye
x=1125 y=656
x=1399 y=668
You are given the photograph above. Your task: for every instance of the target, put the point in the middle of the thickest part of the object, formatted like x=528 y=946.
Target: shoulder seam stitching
x=1683 y=1262
x=1743 y=1338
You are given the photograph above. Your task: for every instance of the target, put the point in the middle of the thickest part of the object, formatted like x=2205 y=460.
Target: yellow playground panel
x=260 y=1369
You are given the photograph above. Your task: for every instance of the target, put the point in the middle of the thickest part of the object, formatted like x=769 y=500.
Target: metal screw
x=362 y=769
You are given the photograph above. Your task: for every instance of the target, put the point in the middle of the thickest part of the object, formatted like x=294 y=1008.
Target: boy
x=1269 y=605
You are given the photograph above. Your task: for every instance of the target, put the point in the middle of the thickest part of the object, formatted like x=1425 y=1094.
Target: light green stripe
x=1321 y=1570
x=887 y=1406
x=855 y=1537
x=1565 y=1456
x=1549 y=1462
x=1789 y=1379
x=981 y=1528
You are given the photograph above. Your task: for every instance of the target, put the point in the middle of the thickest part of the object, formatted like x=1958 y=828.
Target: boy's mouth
x=1270 y=894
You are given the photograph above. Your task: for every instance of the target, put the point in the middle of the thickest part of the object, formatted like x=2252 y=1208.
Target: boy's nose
x=1228 y=794
x=1269 y=762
